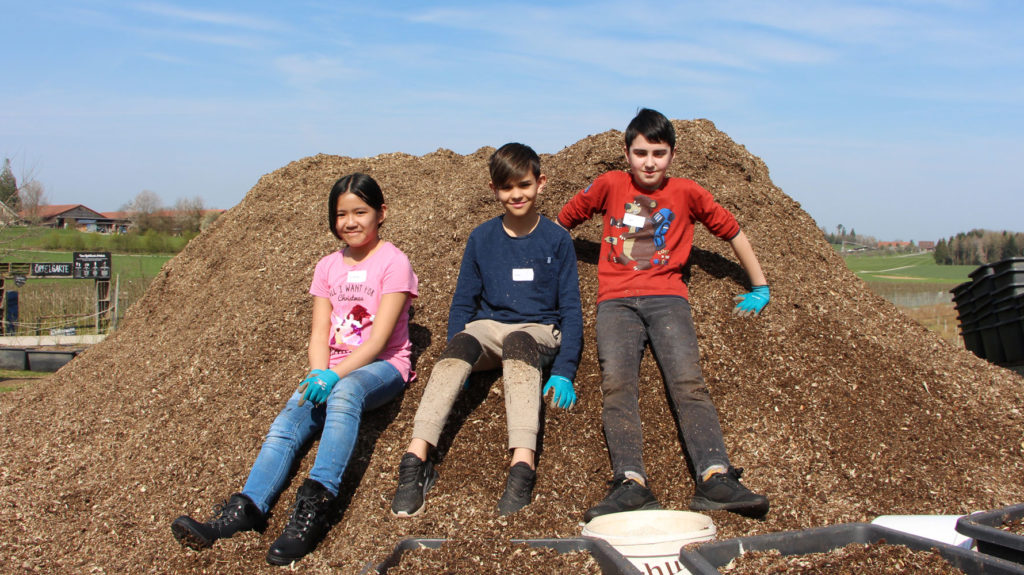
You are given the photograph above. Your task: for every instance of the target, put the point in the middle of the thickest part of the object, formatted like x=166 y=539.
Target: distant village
x=85 y=219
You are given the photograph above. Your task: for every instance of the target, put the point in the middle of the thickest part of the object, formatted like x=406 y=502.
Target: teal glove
x=564 y=394
x=318 y=385
x=751 y=303
x=309 y=378
x=305 y=383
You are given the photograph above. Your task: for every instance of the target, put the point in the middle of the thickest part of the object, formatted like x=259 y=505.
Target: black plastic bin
x=48 y=360
x=961 y=292
x=985 y=529
x=13 y=358
x=611 y=561
x=705 y=559
x=972 y=338
x=988 y=325
x=1010 y=313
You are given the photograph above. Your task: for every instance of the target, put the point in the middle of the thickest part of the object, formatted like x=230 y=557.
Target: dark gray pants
x=624 y=327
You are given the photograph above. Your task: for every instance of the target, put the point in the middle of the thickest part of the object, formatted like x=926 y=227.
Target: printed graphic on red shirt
x=638 y=239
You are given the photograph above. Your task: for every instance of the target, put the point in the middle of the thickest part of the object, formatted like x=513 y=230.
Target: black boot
x=236 y=514
x=308 y=523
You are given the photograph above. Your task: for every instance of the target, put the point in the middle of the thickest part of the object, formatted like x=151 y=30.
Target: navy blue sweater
x=530 y=279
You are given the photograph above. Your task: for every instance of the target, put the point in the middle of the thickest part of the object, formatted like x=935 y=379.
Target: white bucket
x=941 y=528
x=651 y=539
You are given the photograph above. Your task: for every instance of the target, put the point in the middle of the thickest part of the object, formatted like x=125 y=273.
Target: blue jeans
x=624 y=326
x=366 y=388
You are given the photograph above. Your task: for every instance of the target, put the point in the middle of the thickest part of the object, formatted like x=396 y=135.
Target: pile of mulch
x=839 y=407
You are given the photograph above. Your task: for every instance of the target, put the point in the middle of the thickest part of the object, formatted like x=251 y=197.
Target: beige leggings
x=491 y=344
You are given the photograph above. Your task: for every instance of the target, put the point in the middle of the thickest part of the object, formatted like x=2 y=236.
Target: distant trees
x=148 y=213
x=188 y=214
x=978 y=247
x=842 y=237
x=145 y=211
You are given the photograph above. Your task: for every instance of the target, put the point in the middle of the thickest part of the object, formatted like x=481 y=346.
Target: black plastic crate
x=12 y=358
x=985 y=529
x=1015 y=263
x=972 y=339
x=707 y=558
x=48 y=360
x=961 y=292
x=981 y=272
x=611 y=561
x=988 y=325
x=1008 y=285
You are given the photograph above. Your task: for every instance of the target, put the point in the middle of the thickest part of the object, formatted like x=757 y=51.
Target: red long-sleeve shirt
x=647 y=235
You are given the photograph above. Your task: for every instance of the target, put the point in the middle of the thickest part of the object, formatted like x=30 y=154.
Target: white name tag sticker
x=634 y=221
x=522 y=274
x=356 y=276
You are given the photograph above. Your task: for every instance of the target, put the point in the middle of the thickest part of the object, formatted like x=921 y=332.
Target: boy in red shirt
x=641 y=299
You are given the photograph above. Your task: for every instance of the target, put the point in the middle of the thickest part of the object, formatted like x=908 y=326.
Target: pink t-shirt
x=355 y=292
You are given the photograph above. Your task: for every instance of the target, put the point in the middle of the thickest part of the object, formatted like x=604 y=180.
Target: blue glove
x=751 y=303
x=318 y=385
x=309 y=378
x=564 y=396
x=305 y=384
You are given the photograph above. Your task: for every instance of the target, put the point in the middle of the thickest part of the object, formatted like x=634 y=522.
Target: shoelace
x=302 y=517
x=409 y=473
x=224 y=513
x=519 y=485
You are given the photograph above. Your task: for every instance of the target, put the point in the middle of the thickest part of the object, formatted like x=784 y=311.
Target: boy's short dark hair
x=513 y=160
x=652 y=125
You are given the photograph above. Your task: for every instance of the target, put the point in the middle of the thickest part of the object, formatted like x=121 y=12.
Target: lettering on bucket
x=669 y=567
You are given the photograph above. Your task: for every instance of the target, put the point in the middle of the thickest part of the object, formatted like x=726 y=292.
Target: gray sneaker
x=415 y=478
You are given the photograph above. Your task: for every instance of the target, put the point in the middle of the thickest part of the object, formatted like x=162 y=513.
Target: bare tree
x=188 y=214
x=145 y=211
x=33 y=197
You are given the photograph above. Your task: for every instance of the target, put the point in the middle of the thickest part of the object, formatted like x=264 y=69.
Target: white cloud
x=228 y=19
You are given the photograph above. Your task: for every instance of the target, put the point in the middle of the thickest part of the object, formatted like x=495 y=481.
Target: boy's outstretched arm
x=753 y=302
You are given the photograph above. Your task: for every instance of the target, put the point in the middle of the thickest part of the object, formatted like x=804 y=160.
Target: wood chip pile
x=839 y=407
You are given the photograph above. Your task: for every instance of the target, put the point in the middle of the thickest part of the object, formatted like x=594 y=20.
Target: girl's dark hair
x=363 y=186
x=651 y=125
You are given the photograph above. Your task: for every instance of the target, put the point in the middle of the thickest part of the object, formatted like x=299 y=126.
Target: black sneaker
x=518 y=489
x=624 y=495
x=415 y=478
x=236 y=514
x=724 y=491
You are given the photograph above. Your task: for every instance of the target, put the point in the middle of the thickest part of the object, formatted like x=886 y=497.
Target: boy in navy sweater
x=516 y=306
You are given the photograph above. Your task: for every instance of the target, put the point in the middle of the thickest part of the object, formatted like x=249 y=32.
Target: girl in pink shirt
x=359 y=357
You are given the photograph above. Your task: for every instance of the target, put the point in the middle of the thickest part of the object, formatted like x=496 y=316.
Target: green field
x=68 y=240
x=905 y=268
x=915 y=284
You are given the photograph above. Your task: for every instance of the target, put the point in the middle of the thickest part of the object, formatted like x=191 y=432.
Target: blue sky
x=899 y=119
